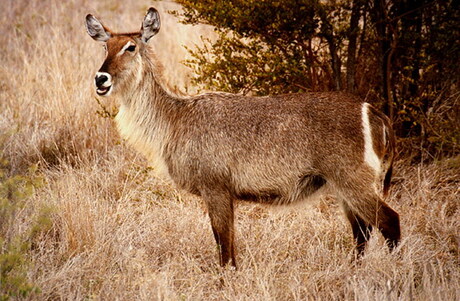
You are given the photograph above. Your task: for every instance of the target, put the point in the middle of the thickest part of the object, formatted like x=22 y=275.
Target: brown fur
x=275 y=150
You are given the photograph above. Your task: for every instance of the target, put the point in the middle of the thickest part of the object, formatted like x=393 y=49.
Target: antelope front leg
x=220 y=208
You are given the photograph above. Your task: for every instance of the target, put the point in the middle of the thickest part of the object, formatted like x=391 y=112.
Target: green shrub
x=15 y=247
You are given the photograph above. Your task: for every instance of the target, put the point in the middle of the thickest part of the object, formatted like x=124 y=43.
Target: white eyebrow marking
x=125 y=47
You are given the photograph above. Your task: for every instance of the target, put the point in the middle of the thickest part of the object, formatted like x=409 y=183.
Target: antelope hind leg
x=361 y=229
x=364 y=207
x=389 y=225
x=373 y=211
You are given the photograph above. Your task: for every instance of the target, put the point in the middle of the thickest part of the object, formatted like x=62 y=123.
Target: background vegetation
x=400 y=55
x=82 y=216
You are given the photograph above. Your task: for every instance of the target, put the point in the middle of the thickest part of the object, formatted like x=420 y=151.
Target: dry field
x=119 y=233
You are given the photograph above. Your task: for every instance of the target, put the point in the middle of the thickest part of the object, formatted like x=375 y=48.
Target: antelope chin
x=104 y=91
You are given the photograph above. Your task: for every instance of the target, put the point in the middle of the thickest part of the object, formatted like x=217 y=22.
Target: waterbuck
x=227 y=147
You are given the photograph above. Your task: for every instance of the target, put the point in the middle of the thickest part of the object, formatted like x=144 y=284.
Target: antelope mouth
x=103 y=91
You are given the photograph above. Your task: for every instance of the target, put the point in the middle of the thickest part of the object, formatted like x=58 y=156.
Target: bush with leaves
x=263 y=47
x=15 y=247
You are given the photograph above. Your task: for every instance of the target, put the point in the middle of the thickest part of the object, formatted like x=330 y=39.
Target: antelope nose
x=103 y=81
x=100 y=80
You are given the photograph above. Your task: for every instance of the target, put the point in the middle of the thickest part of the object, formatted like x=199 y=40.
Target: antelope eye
x=131 y=48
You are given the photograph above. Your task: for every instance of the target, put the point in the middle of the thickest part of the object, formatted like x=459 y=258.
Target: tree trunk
x=327 y=31
x=413 y=24
x=336 y=64
x=385 y=37
x=352 y=42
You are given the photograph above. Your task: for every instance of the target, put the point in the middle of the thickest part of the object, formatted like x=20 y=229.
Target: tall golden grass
x=119 y=233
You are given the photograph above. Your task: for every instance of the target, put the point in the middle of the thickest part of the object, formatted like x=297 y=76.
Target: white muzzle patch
x=103 y=82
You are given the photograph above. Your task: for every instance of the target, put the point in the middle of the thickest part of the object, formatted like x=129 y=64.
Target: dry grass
x=118 y=233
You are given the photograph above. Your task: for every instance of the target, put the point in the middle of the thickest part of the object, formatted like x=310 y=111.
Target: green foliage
x=271 y=21
x=14 y=248
x=247 y=66
x=13 y=271
x=263 y=47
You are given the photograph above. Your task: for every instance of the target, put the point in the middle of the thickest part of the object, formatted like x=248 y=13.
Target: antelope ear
x=151 y=24
x=96 y=30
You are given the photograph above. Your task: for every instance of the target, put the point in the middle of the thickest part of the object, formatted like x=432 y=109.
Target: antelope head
x=123 y=51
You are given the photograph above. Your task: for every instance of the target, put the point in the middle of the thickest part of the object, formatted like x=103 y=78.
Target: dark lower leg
x=389 y=225
x=361 y=230
x=224 y=240
x=377 y=213
x=365 y=208
x=221 y=215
